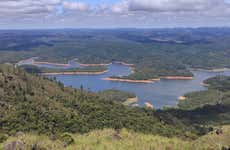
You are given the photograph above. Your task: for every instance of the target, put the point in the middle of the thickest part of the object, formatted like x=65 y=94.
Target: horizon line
x=109 y=28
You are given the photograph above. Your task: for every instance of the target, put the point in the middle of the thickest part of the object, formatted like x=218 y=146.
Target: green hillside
x=53 y=116
x=218 y=93
x=32 y=103
x=210 y=108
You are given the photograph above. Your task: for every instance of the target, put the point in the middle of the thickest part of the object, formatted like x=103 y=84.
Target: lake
x=160 y=94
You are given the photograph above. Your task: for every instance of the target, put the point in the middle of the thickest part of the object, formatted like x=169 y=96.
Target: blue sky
x=113 y=13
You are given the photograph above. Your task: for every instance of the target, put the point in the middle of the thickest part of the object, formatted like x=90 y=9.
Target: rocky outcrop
x=15 y=145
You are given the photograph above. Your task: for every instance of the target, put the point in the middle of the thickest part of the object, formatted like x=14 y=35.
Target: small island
x=129 y=80
x=126 y=79
x=32 y=66
x=69 y=71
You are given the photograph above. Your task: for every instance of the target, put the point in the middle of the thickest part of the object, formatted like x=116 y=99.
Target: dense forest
x=39 y=70
x=34 y=103
x=154 y=52
x=41 y=106
x=116 y=95
x=205 y=108
x=218 y=93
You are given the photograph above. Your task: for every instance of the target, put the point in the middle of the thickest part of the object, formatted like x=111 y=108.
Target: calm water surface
x=160 y=94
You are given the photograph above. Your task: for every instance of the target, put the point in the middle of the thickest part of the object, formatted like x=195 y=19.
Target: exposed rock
x=19 y=134
x=10 y=78
x=219 y=131
x=182 y=98
x=149 y=105
x=15 y=145
x=116 y=135
x=225 y=148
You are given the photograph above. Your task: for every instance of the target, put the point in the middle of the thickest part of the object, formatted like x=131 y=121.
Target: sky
x=29 y=14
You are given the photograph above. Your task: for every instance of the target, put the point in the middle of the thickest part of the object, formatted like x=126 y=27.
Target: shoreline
x=149 y=105
x=33 y=62
x=118 y=62
x=130 y=81
x=177 y=78
x=49 y=63
x=182 y=98
x=211 y=70
x=75 y=73
x=204 y=84
x=94 y=65
x=131 y=101
x=149 y=80
x=123 y=63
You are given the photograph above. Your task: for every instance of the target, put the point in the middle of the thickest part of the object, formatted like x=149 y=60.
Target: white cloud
x=79 y=6
x=124 y=13
x=120 y=7
x=168 y=5
x=21 y=7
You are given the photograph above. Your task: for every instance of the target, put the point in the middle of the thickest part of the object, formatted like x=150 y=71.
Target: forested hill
x=218 y=93
x=210 y=108
x=221 y=83
x=154 y=52
x=30 y=103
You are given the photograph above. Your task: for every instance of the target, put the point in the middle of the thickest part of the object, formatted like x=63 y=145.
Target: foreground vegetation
x=116 y=95
x=109 y=139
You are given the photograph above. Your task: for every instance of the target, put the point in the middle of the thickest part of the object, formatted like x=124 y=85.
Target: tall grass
x=108 y=139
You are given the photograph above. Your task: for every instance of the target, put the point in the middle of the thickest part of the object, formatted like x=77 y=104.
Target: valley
x=115 y=89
